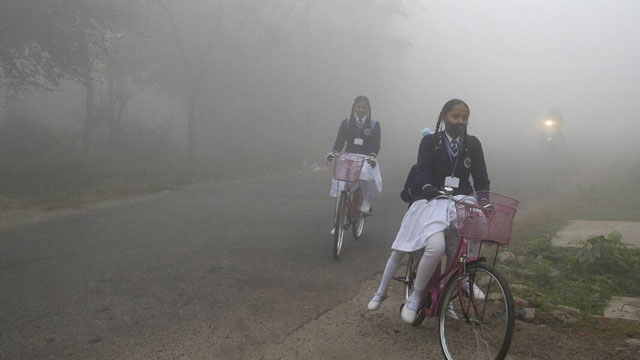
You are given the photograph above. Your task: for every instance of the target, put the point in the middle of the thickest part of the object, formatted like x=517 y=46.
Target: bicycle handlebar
x=364 y=157
x=446 y=194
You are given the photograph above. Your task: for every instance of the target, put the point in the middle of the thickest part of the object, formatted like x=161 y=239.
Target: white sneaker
x=375 y=301
x=477 y=293
x=333 y=230
x=366 y=208
x=408 y=315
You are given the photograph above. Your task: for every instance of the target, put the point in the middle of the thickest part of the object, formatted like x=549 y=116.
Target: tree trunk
x=113 y=111
x=90 y=116
x=194 y=73
x=121 y=102
x=5 y=107
x=192 y=115
x=4 y=99
x=89 y=121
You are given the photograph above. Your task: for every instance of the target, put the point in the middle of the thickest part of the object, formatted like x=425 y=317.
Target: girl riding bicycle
x=360 y=134
x=445 y=158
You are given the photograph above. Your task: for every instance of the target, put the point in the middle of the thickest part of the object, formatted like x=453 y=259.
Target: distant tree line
x=122 y=46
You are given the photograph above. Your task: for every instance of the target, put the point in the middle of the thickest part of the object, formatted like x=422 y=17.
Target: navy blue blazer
x=349 y=131
x=432 y=167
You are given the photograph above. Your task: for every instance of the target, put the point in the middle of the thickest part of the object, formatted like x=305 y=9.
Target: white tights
x=435 y=248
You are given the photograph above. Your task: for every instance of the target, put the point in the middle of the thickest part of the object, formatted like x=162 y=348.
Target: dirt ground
x=350 y=331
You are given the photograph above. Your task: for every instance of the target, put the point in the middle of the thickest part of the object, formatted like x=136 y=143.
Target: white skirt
x=368 y=174
x=423 y=219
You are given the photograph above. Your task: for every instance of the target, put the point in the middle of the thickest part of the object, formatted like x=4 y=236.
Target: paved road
x=219 y=271
x=214 y=271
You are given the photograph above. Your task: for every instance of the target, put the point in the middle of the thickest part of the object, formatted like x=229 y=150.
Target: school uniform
x=425 y=218
x=432 y=225
x=434 y=167
x=367 y=130
x=360 y=136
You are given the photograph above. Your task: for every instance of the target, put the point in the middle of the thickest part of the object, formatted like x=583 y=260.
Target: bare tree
x=194 y=66
x=46 y=41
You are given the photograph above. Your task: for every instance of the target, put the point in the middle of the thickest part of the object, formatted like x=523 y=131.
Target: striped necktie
x=454 y=147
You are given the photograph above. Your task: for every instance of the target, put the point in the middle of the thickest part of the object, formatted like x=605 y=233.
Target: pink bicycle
x=472 y=300
x=347 y=171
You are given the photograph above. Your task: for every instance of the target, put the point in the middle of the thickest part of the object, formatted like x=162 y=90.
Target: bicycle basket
x=488 y=224
x=348 y=167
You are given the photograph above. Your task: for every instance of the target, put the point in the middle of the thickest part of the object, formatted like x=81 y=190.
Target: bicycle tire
x=339 y=225
x=487 y=328
x=358 y=226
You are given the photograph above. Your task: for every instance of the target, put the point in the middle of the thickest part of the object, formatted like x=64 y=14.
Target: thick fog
x=513 y=61
x=166 y=189
x=277 y=77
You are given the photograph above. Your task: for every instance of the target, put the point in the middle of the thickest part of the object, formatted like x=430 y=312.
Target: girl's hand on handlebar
x=429 y=191
x=332 y=155
x=372 y=161
x=486 y=206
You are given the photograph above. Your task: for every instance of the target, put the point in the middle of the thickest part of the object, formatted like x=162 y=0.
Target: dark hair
x=357 y=100
x=437 y=144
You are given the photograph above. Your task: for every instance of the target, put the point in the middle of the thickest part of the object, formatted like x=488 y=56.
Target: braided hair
x=353 y=106
x=448 y=106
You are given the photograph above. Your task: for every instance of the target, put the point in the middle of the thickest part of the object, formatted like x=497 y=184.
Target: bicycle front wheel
x=480 y=327
x=340 y=224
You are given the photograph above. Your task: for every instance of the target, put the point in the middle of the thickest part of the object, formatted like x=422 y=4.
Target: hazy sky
x=514 y=60
x=287 y=72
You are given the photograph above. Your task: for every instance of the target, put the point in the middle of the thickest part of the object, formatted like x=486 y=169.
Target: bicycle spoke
x=492 y=334
x=480 y=339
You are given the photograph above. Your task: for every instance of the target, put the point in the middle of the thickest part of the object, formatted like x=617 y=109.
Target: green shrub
x=584 y=277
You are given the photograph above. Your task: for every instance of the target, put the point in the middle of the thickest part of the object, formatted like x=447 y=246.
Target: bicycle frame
x=354 y=198
x=435 y=288
x=452 y=294
x=439 y=280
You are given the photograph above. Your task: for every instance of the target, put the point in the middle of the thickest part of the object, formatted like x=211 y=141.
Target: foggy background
x=275 y=78
x=234 y=104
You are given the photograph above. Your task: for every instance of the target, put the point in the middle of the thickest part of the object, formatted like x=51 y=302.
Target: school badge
x=467 y=162
x=367 y=132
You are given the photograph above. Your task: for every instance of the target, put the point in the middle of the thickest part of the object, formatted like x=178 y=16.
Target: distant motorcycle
x=551 y=134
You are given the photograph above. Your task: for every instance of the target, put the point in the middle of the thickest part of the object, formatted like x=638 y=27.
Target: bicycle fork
x=462 y=274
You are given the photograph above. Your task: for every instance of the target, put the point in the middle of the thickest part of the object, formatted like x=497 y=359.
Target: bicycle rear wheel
x=358 y=226
x=485 y=329
x=339 y=224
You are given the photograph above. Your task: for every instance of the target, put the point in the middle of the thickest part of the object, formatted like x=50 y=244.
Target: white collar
x=364 y=118
x=451 y=139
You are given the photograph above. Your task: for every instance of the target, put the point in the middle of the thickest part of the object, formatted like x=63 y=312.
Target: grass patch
x=584 y=277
